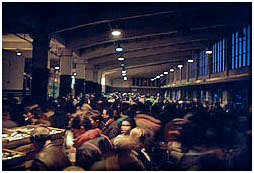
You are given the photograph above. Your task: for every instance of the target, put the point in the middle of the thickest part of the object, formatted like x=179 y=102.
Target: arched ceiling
x=154 y=35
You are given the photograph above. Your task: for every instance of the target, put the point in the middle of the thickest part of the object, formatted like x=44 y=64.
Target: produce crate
x=18 y=140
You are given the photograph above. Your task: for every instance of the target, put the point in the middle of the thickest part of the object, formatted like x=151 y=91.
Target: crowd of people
x=128 y=131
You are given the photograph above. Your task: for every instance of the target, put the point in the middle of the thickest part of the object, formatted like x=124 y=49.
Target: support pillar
x=209 y=70
x=197 y=68
x=65 y=71
x=40 y=72
x=103 y=83
x=80 y=78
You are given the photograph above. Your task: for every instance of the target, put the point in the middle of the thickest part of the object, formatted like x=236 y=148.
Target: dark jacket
x=114 y=128
x=92 y=150
x=50 y=158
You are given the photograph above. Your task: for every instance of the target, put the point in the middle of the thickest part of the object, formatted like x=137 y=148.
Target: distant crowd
x=129 y=131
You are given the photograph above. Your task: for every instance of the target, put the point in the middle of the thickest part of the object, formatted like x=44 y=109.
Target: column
x=197 y=68
x=12 y=72
x=40 y=72
x=188 y=72
x=228 y=53
x=66 y=73
x=80 y=78
x=209 y=70
x=175 y=75
x=103 y=83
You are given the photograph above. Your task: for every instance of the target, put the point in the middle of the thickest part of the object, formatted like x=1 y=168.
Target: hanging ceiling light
x=116 y=32
x=18 y=53
x=208 y=52
x=124 y=71
x=122 y=64
x=120 y=58
x=161 y=75
x=124 y=74
x=157 y=77
x=171 y=70
x=74 y=74
x=209 y=49
x=180 y=66
x=57 y=67
x=152 y=79
x=119 y=48
x=125 y=78
x=190 y=60
x=165 y=72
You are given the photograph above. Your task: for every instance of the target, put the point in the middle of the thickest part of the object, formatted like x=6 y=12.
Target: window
x=248 y=46
x=233 y=51
x=219 y=56
x=241 y=48
x=236 y=50
x=203 y=63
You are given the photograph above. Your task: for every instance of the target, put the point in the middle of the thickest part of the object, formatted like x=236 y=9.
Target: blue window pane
x=236 y=50
x=200 y=62
x=240 y=52
x=248 y=46
x=223 y=56
x=244 y=47
x=218 y=56
x=206 y=65
x=233 y=51
x=213 y=58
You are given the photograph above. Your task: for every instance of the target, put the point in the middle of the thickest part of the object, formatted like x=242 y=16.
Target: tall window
x=219 y=56
x=233 y=51
x=203 y=63
x=241 y=48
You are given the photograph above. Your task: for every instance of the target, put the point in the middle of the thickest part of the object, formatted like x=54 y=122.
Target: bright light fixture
x=119 y=49
x=124 y=71
x=165 y=72
x=152 y=79
x=116 y=33
x=74 y=74
x=161 y=75
x=157 y=77
x=180 y=66
x=171 y=70
x=125 y=78
x=190 y=61
x=19 y=53
x=120 y=58
x=122 y=64
x=208 y=52
x=124 y=74
x=57 y=68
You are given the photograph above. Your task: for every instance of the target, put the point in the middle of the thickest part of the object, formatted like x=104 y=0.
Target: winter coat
x=91 y=147
x=50 y=158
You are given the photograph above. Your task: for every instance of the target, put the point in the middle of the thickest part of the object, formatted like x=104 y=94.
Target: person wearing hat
x=49 y=157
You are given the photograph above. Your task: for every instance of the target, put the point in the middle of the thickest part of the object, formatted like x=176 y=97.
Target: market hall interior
x=108 y=86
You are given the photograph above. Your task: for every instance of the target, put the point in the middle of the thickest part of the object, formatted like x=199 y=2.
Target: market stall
x=18 y=151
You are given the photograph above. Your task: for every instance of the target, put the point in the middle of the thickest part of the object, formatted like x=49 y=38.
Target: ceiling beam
x=171 y=57
x=150 y=55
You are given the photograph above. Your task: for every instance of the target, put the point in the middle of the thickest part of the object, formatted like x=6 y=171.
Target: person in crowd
x=126 y=126
x=49 y=157
x=73 y=168
x=114 y=128
x=59 y=119
x=129 y=154
x=90 y=144
x=7 y=122
x=107 y=115
x=38 y=118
